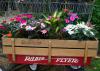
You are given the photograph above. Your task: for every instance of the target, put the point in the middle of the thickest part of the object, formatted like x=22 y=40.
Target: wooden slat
x=68 y=43
x=6 y=41
x=55 y=43
x=27 y=42
x=44 y=51
x=92 y=44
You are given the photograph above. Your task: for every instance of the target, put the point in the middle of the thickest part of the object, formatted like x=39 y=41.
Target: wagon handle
x=13 y=49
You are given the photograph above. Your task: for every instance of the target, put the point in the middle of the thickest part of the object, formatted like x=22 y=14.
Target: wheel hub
x=1 y=69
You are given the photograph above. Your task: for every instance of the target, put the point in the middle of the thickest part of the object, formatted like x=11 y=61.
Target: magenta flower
x=2 y=27
x=66 y=20
x=20 y=15
x=18 y=19
x=11 y=19
x=74 y=14
x=72 y=18
x=29 y=16
x=23 y=22
x=76 y=17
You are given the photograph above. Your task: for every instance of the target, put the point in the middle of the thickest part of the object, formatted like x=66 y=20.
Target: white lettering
x=67 y=60
x=29 y=58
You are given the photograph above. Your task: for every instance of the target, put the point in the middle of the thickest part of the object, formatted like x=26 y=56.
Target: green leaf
x=59 y=14
x=45 y=16
x=55 y=14
x=48 y=22
x=54 y=20
x=57 y=29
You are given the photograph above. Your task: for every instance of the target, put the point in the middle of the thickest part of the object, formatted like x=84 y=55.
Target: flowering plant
x=24 y=26
x=61 y=25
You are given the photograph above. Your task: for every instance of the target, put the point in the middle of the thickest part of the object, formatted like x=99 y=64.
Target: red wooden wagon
x=50 y=51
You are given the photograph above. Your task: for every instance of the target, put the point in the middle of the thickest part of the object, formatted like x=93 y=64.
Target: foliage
x=60 y=25
x=95 y=66
x=96 y=17
x=54 y=21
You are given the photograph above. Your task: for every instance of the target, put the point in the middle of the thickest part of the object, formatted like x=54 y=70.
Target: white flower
x=71 y=32
x=74 y=29
x=44 y=31
x=29 y=28
x=70 y=29
x=42 y=25
x=86 y=29
x=82 y=25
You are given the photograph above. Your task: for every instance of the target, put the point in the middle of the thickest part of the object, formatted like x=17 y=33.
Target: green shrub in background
x=96 y=17
x=95 y=65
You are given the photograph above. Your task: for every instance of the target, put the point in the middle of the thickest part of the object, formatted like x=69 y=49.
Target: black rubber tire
x=33 y=70
x=2 y=68
x=80 y=69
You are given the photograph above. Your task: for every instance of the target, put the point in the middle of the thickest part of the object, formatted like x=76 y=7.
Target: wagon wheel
x=2 y=68
x=33 y=67
x=77 y=68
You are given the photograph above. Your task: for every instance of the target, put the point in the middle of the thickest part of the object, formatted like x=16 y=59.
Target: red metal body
x=55 y=60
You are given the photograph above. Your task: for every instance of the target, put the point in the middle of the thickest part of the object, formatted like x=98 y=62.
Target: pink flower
x=18 y=19
x=4 y=21
x=29 y=16
x=2 y=27
x=72 y=18
x=11 y=19
x=65 y=10
x=58 y=18
x=71 y=13
x=76 y=17
x=23 y=22
x=44 y=31
x=20 y=15
x=49 y=18
x=89 y=24
x=66 y=20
